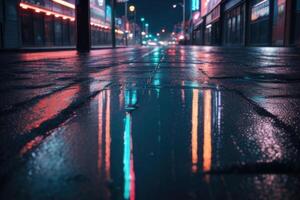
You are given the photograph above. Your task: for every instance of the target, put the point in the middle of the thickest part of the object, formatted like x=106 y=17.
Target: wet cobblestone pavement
x=151 y=123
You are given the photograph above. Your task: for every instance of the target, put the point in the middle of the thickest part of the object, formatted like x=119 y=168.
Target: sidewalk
x=56 y=48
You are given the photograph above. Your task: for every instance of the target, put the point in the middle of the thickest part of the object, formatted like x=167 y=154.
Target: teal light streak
x=126 y=156
x=134 y=97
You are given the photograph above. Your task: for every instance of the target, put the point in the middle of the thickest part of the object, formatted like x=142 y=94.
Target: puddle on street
x=159 y=143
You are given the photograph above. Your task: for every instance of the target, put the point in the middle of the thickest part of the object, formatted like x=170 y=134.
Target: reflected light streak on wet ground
x=195 y=129
x=207 y=143
x=170 y=123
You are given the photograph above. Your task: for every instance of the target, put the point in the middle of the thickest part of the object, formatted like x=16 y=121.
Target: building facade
x=51 y=23
x=248 y=23
x=234 y=23
x=1 y=23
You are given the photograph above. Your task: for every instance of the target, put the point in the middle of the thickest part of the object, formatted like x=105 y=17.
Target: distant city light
x=131 y=8
x=181 y=37
x=196 y=16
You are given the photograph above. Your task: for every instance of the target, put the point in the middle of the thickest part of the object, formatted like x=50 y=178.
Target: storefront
x=197 y=35
x=212 y=35
x=47 y=24
x=234 y=23
x=279 y=23
x=1 y=23
x=259 y=28
x=197 y=29
x=99 y=28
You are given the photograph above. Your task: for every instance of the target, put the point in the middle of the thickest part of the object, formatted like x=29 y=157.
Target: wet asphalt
x=150 y=123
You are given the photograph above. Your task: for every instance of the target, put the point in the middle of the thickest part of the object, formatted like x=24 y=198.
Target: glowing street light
x=196 y=16
x=163 y=30
x=142 y=19
x=181 y=37
x=183 y=14
x=157 y=34
x=131 y=8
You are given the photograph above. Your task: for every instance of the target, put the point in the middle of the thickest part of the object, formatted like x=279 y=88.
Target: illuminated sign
x=101 y=3
x=108 y=14
x=260 y=10
x=208 y=5
x=195 y=5
x=97 y=11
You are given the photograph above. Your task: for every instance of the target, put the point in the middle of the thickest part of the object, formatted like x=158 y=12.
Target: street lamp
x=183 y=15
x=113 y=23
x=126 y=22
x=163 y=30
x=131 y=8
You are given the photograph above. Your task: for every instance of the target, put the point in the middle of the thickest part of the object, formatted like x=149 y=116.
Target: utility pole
x=126 y=21
x=271 y=15
x=183 y=18
x=83 y=26
x=113 y=23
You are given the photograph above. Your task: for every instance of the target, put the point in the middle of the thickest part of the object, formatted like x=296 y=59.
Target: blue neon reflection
x=126 y=157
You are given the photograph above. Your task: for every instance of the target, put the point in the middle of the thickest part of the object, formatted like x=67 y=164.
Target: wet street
x=145 y=123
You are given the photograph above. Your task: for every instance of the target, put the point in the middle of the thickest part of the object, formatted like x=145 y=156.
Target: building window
x=27 y=28
x=58 y=32
x=66 y=33
x=49 y=31
x=72 y=33
x=38 y=27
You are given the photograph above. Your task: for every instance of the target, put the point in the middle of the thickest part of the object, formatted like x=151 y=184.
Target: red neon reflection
x=100 y=133
x=207 y=145
x=195 y=129
x=107 y=136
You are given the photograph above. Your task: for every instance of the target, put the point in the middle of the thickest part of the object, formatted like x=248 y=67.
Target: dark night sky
x=158 y=13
